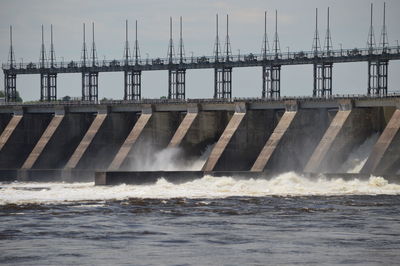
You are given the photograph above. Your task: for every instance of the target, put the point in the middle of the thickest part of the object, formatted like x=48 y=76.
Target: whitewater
x=288 y=184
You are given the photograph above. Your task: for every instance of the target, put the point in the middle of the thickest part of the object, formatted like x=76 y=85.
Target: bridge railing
x=395 y=94
x=250 y=57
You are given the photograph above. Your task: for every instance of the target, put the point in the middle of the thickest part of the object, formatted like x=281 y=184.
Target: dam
x=137 y=140
x=111 y=142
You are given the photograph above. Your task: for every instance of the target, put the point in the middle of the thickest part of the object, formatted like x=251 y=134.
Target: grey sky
x=349 y=26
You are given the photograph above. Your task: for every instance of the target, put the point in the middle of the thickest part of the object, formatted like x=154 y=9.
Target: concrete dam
x=116 y=142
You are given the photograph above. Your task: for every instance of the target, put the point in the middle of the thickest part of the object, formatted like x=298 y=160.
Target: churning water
x=288 y=219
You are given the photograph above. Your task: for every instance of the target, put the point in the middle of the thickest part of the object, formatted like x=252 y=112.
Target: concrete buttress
x=273 y=141
x=43 y=141
x=386 y=151
x=85 y=142
x=130 y=141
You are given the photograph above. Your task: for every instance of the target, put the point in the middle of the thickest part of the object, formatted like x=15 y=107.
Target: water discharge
x=169 y=159
x=288 y=184
x=359 y=155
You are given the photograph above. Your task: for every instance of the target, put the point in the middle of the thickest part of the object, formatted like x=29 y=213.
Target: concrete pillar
x=147 y=140
x=385 y=154
x=44 y=139
x=4 y=120
x=20 y=137
x=87 y=140
x=131 y=139
x=273 y=141
x=349 y=128
x=184 y=127
x=240 y=112
x=9 y=130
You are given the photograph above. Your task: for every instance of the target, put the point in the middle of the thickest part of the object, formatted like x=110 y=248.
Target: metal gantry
x=322 y=68
x=223 y=61
x=90 y=77
x=132 y=76
x=378 y=67
x=48 y=78
x=10 y=78
x=176 y=74
x=222 y=71
x=271 y=72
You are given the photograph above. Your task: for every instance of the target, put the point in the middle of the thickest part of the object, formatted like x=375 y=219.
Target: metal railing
x=250 y=57
x=395 y=94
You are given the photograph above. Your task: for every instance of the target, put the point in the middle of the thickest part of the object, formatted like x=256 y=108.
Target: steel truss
x=132 y=85
x=271 y=76
x=377 y=77
x=176 y=83
x=322 y=79
x=90 y=86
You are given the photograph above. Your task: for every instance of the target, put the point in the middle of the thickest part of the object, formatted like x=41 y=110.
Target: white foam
x=359 y=155
x=206 y=187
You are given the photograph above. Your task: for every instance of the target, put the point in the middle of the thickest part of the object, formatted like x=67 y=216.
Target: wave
x=288 y=184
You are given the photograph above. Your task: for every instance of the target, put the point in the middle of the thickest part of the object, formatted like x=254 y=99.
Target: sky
x=349 y=24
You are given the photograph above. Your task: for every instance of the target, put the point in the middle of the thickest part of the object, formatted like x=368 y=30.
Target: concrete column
x=349 y=128
x=45 y=138
x=8 y=131
x=326 y=143
x=43 y=141
x=240 y=112
x=273 y=141
x=386 y=150
x=184 y=127
x=131 y=139
x=86 y=141
x=21 y=137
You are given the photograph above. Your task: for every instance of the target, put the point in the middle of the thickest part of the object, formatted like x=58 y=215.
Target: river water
x=286 y=220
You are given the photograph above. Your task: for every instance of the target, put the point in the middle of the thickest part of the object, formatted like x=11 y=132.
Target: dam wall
x=259 y=136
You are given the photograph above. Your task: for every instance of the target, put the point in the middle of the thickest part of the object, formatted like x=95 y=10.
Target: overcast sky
x=296 y=23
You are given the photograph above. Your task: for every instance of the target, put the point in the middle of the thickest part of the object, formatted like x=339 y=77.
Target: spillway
x=113 y=142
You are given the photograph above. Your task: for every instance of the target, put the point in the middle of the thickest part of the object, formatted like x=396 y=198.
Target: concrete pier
x=225 y=138
x=44 y=139
x=273 y=141
x=385 y=155
x=183 y=128
x=86 y=141
x=130 y=141
x=9 y=130
x=151 y=134
x=349 y=128
x=20 y=137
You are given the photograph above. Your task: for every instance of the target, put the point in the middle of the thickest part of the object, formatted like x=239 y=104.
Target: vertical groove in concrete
x=182 y=130
x=44 y=139
x=326 y=142
x=11 y=126
x=223 y=141
x=87 y=139
x=273 y=141
x=383 y=143
x=130 y=141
